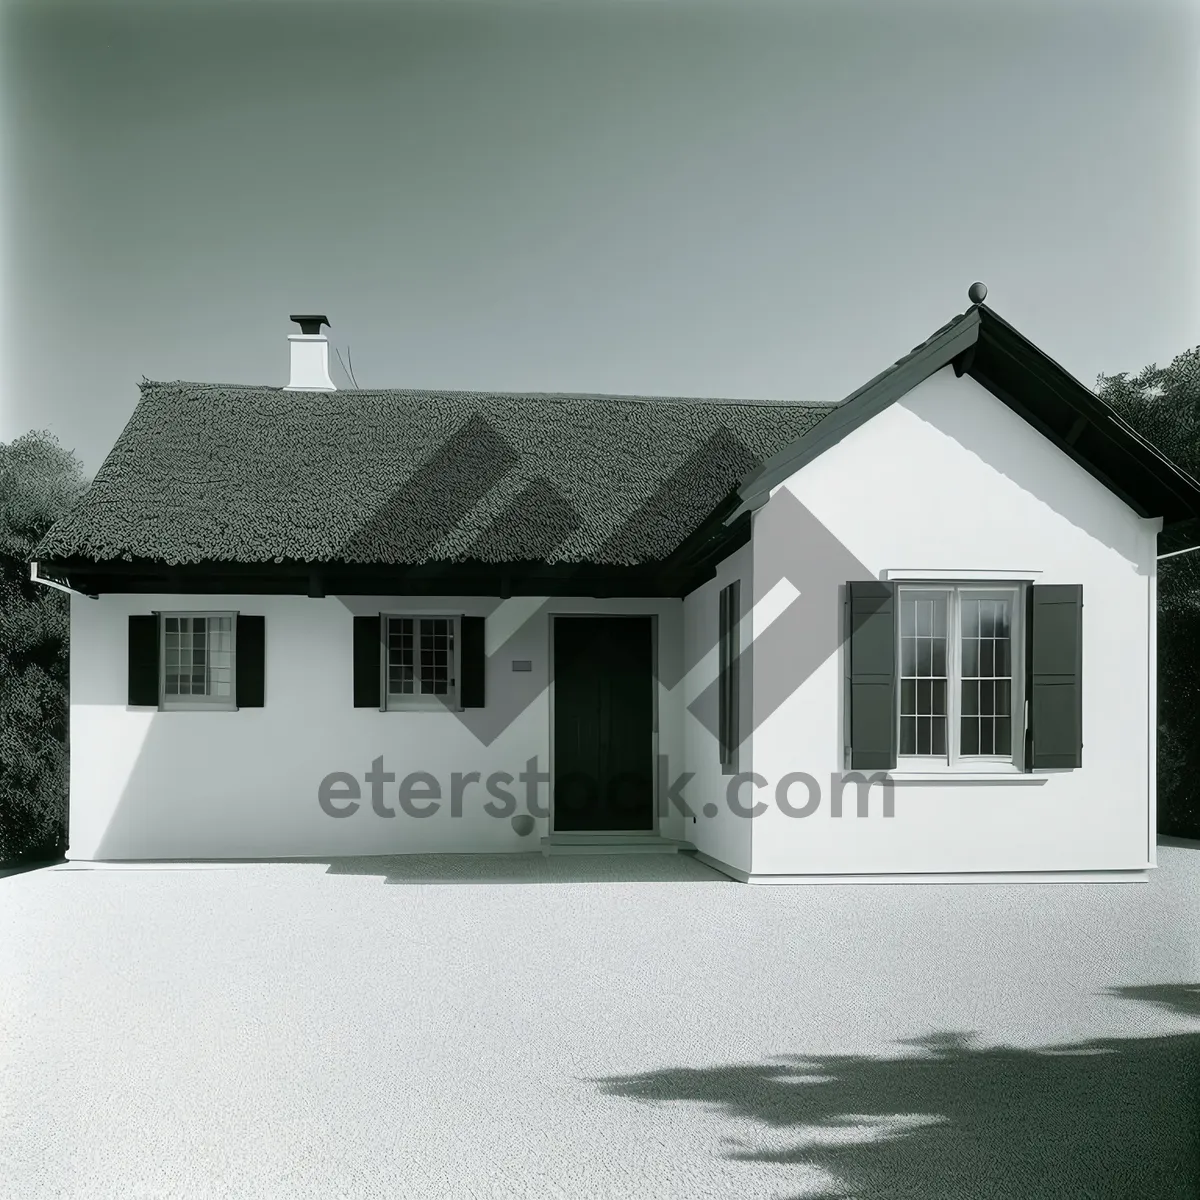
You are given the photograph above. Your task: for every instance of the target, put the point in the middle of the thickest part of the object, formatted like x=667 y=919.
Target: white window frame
x=954 y=760
x=421 y=703
x=196 y=703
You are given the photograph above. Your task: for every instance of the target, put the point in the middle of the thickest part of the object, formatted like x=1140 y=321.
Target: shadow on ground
x=18 y=868
x=530 y=868
x=1115 y=1117
x=1166 y=839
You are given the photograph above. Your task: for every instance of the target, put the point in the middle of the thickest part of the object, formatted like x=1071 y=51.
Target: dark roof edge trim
x=1099 y=415
x=860 y=406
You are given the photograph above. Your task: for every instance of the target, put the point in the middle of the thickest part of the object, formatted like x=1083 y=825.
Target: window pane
x=970 y=735
x=939 y=735
x=986 y=619
x=1002 y=616
x=970 y=618
x=1003 y=735
x=435 y=656
x=987 y=662
x=987 y=657
x=986 y=737
x=401 y=675
x=923 y=683
x=970 y=658
x=1003 y=657
x=924 y=618
x=924 y=657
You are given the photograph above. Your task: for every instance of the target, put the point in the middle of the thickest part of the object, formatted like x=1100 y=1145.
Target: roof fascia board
x=871 y=399
x=1099 y=416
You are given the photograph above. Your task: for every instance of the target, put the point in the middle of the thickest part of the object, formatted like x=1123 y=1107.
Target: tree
x=1163 y=405
x=39 y=481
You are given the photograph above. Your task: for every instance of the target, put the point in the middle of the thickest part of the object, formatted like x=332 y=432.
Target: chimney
x=310 y=356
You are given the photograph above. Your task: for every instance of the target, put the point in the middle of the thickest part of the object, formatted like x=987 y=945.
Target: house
x=910 y=636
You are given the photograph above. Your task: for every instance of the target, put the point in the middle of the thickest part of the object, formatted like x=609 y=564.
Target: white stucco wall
x=717 y=832
x=149 y=784
x=949 y=478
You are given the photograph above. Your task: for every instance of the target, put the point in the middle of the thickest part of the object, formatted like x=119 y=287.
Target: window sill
x=197 y=708
x=956 y=777
x=435 y=706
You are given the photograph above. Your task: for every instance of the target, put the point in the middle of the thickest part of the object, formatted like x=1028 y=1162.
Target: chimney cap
x=310 y=324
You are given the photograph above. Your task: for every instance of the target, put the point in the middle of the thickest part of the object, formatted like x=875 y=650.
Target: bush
x=39 y=481
x=1179 y=711
x=1163 y=405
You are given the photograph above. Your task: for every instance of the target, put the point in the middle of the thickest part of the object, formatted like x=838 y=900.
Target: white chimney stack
x=310 y=356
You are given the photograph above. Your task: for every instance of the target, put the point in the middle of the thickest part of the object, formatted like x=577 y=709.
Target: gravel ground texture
x=638 y=1026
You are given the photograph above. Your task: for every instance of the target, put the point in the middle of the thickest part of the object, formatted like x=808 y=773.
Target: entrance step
x=612 y=843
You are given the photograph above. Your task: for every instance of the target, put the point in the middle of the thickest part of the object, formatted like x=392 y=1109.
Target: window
x=727 y=677
x=419 y=663
x=961 y=691
x=198 y=660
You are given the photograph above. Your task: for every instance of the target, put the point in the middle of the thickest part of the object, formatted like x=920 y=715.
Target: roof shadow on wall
x=1112 y=1117
x=1062 y=490
x=468 y=466
x=537 y=524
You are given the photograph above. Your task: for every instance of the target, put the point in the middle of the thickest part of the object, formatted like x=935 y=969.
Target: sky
x=650 y=197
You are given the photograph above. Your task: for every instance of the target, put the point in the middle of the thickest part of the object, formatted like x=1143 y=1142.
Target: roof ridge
x=465 y=393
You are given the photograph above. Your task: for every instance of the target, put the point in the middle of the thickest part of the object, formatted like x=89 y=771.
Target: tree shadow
x=1182 y=999
x=1112 y=1117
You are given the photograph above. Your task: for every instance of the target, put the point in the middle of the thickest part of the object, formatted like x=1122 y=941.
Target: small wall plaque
x=522 y=664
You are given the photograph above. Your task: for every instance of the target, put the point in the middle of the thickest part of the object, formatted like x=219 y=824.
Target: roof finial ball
x=977 y=293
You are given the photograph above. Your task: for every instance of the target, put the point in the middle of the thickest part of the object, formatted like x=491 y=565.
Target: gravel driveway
x=636 y=1027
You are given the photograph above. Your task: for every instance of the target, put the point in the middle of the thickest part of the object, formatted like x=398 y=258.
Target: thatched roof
x=207 y=473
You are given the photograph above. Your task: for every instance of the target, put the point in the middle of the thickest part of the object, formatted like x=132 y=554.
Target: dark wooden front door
x=603 y=724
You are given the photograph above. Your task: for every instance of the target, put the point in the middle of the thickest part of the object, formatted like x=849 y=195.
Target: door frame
x=654 y=723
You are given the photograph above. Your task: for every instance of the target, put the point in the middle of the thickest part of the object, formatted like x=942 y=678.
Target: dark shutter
x=250 y=665
x=368 y=662
x=1055 y=672
x=872 y=680
x=472 y=662
x=728 y=698
x=143 y=659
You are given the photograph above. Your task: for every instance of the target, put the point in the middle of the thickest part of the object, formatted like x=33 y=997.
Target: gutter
x=1175 y=553
x=50 y=583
